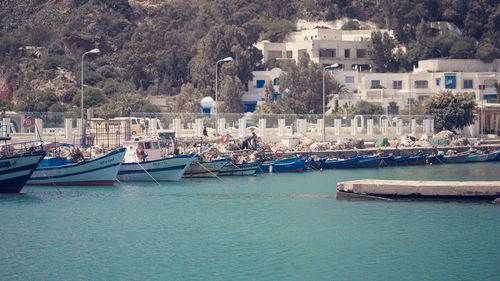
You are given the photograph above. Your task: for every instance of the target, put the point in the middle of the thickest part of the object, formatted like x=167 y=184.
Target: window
x=274 y=54
x=438 y=81
x=260 y=84
x=349 y=79
x=422 y=98
x=327 y=53
x=397 y=84
x=361 y=53
x=421 y=84
x=147 y=145
x=450 y=81
x=375 y=83
x=289 y=54
x=347 y=53
x=276 y=81
x=468 y=84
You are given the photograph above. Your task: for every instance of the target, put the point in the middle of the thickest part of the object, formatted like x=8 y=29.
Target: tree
x=269 y=90
x=381 y=52
x=451 y=111
x=273 y=108
x=277 y=30
x=301 y=87
x=188 y=100
x=393 y=108
x=230 y=94
x=351 y=25
x=368 y=108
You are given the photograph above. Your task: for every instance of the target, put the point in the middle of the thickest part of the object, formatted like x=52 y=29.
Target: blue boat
x=387 y=161
x=492 y=156
x=312 y=164
x=435 y=159
x=418 y=159
x=369 y=161
x=341 y=163
x=284 y=166
x=400 y=160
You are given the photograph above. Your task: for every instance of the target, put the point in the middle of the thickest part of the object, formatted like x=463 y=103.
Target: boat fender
x=279 y=153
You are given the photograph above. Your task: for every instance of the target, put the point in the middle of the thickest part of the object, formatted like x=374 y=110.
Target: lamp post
x=324 y=124
x=216 y=86
x=409 y=104
x=93 y=51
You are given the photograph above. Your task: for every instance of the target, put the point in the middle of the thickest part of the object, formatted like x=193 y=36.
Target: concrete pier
x=484 y=190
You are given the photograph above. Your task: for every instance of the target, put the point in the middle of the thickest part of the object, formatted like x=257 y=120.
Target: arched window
x=276 y=81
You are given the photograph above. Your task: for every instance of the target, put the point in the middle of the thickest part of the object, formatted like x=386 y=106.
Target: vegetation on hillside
x=157 y=49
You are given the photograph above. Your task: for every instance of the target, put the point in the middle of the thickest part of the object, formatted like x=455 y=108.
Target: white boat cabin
x=142 y=150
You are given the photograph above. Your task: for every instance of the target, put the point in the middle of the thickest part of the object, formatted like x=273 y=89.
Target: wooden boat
x=435 y=159
x=208 y=169
x=341 y=163
x=477 y=157
x=162 y=170
x=246 y=169
x=284 y=166
x=455 y=158
x=144 y=161
x=369 y=161
x=16 y=167
x=400 y=160
x=419 y=159
x=387 y=161
x=492 y=156
x=99 y=171
x=312 y=164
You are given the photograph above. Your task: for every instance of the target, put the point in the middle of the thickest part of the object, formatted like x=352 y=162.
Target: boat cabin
x=142 y=150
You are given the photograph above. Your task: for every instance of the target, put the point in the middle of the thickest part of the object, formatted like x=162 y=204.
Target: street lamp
x=324 y=124
x=216 y=83
x=93 y=51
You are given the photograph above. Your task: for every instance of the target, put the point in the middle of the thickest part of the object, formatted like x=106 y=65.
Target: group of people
x=249 y=142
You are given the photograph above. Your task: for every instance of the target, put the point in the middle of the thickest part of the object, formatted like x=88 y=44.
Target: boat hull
x=369 y=162
x=477 y=158
x=205 y=169
x=247 y=169
x=162 y=170
x=101 y=171
x=452 y=159
x=283 y=167
x=341 y=164
x=16 y=170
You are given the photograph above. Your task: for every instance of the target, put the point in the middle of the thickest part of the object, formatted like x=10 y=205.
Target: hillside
x=155 y=47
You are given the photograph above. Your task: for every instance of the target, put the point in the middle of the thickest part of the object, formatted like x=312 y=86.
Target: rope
x=201 y=165
x=148 y=173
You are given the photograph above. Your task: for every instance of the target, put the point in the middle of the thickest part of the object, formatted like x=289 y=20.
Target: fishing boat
x=341 y=163
x=387 y=161
x=284 y=166
x=435 y=159
x=369 y=161
x=493 y=155
x=400 y=160
x=244 y=169
x=477 y=157
x=100 y=171
x=455 y=158
x=208 y=169
x=315 y=164
x=418 y=159
x=16 y=166
x=145 y=161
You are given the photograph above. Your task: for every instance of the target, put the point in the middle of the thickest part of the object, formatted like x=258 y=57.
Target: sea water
x=265 y=227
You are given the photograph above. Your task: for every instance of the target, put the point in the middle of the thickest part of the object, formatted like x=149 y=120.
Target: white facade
x=348 y=48
x=256 y=87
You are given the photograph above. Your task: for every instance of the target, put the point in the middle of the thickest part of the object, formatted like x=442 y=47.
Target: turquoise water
x=267 y=227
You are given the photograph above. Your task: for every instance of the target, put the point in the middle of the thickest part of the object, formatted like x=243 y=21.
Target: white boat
x=144 y=162
x=205 y=169
x=16 y=167
x=99 y=171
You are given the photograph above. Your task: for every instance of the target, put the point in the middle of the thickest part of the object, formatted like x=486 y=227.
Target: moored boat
x=209 y=169
x=284 y=166
x=144 y=161
x=455 y=158
x=493 y=155
x=418 y=159
x=315 y=164
x=100 y=171
x=16 y=167
x=341 y=163
x=369 y=161
x=435 y=159
x=477 y=157
x=244 y=169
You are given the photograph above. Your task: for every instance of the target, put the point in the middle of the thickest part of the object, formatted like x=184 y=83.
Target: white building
x=347 y=48
x=255 y=89
x=430 y=77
